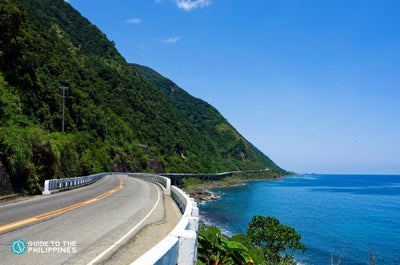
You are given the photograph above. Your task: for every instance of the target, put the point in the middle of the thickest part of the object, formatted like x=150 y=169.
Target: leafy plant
x=213 y=248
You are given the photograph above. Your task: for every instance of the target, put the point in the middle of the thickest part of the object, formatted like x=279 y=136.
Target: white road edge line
x=105 y=252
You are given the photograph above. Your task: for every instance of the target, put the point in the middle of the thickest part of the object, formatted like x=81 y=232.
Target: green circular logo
x=18 y=247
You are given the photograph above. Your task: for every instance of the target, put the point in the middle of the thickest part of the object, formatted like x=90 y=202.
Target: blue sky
x=313 y=84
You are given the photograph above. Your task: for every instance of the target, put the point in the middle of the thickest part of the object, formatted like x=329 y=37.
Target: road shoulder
x=149 y=236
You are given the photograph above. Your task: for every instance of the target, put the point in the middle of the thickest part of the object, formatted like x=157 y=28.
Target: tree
x=274 y=239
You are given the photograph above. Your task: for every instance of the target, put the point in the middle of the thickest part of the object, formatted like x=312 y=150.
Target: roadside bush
x=213 y=248
x=29 y=156
x=267 y=242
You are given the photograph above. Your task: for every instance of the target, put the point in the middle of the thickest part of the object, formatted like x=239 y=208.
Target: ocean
x=340 y=217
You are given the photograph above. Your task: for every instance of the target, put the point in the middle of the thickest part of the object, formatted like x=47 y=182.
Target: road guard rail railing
x=164 y=181
x=56 y=185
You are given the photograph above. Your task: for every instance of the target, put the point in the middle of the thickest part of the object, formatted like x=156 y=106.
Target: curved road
x=81 y=226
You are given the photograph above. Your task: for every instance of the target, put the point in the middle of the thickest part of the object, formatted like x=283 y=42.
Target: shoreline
x=201 y=192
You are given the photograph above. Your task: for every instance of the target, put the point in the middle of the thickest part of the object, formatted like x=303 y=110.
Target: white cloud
x=133 y=20
x=172 y=39
x=188 y=5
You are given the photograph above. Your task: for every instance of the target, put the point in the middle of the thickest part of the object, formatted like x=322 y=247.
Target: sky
x=313 y=84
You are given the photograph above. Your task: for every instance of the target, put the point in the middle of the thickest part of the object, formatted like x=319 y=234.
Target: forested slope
x=215 y=130
x=116 y=117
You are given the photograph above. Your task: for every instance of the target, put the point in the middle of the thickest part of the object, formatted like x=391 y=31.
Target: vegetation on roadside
x=267 y=242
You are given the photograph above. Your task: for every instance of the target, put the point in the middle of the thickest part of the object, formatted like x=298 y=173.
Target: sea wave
x=208 y=222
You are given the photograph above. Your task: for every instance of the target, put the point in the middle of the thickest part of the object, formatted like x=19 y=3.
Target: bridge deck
x=176 y=178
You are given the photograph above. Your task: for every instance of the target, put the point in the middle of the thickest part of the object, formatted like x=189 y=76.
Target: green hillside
x=117 y=116
x=216 y=133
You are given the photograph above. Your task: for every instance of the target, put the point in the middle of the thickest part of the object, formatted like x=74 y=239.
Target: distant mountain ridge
x=117 y=116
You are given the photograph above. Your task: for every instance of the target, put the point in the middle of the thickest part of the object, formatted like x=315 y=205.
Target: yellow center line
x=50 y=214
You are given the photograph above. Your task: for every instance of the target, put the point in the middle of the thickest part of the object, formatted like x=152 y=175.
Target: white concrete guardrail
x=180 y=246
x=164 y=181
x=56 y=185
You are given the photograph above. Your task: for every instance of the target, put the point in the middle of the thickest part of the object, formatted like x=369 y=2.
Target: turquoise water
x=337 y=215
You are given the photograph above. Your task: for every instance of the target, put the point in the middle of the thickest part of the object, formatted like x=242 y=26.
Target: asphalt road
x=81 y=226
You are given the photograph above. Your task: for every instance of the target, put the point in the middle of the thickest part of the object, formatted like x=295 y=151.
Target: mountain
x=58 y=71
x=212 y=126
